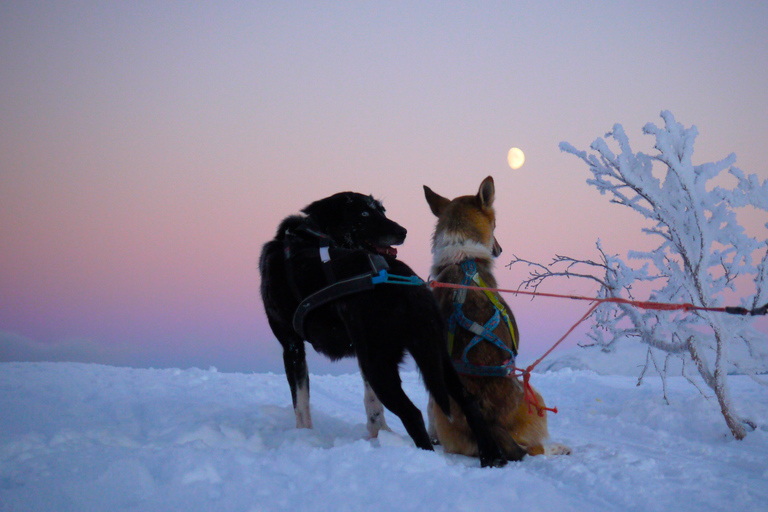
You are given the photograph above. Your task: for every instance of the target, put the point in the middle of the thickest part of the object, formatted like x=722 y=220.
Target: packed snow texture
x=77 y=437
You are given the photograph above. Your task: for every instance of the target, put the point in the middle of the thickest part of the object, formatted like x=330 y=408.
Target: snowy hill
x=76 y=437
x=629 y=357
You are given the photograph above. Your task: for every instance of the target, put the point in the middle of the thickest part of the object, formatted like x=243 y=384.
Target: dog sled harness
x=336 y=289
x=482 y=332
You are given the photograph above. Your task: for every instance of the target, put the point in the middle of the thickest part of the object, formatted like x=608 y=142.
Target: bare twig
x=694 y=383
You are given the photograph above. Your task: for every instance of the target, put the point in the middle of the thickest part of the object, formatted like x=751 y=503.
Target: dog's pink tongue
x=388 y=251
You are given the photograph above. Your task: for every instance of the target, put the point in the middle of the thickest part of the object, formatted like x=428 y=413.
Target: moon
x=516 y=158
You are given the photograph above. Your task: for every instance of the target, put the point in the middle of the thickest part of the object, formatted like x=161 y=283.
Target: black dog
x=317 y=283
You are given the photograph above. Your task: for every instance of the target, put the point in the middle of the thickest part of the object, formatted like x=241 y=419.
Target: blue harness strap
x=481 y=332
x=384 y=277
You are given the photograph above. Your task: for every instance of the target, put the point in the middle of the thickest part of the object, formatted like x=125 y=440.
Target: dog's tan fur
x=464 y=230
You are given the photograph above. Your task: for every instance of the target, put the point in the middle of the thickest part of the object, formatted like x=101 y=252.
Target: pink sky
x=148 y=151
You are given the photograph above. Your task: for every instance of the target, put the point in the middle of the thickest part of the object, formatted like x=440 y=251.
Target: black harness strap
x=336 y=289
x=324 y=243
x=325 y=258
x=330 y=293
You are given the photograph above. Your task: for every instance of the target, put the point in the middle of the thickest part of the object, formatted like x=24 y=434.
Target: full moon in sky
x=516 y=158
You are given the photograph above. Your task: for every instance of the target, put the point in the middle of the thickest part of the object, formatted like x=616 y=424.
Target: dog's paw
x=491 y=456
x=557 y=449
x=373 y=433
x=492 y=462
x=390 y=438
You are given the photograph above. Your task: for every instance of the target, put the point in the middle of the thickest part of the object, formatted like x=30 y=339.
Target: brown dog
x=484 y=335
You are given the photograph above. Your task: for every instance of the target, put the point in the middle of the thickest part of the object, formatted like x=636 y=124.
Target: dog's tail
x=507 y=444
x=428 y=349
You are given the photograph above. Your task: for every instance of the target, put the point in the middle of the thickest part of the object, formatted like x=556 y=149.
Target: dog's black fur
x=377 y=326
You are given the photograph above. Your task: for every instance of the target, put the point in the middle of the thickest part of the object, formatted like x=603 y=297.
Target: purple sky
x=149 y=149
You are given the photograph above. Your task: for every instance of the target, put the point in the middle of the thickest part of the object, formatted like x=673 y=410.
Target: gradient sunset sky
x=149 y=149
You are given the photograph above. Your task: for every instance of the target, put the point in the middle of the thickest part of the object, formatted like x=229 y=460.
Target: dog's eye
x=364 y=214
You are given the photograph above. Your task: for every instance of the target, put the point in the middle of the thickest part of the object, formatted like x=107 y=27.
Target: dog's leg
x=295 y=361
x=431 y=428
x=301 y=409
x=488 y=448
x=530 y=429
x=296 y=370
x=385 y=382
x=395 y=399
x=379 y=358
x=374 y=411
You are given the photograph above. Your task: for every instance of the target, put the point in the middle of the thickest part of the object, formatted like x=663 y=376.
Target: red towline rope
x=663 y=306
x=530 y=396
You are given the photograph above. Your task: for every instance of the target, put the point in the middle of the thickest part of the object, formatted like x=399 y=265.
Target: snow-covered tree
x=702 y=256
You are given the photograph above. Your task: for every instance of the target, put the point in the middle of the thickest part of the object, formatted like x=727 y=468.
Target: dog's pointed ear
x=487 y=192
x=313 y=210
x=327 y=211
x=437 y=203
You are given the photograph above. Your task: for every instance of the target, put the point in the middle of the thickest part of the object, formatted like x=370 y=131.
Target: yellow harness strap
x=497 y=303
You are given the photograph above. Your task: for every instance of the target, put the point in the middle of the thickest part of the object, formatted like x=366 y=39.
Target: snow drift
x=77 y=437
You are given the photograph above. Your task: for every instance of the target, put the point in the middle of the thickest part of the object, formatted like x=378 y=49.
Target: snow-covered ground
x=79 y=437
